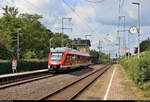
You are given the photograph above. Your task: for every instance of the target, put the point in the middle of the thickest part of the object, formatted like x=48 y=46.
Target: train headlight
x=48 y=66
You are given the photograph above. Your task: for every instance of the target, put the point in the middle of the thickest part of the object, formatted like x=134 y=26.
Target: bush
x=105 y=60
x=4 y=52
x=148 y=49
x=5 y=67
x=29 y=55
x=138 y=69
x=23 y=65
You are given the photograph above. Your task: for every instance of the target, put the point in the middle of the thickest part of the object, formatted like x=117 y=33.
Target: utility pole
x=62 y=42
x=100 y=48
x=138 y=31
x=118 y=30
x=18 y=49
x=128 y=45
x=124 y=40
x=100 y=45
x=119 y=48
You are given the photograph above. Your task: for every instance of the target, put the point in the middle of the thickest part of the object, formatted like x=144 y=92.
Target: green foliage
x=4 y=53
x=34 y=38
x=10 y=11
x=33 y=35
x=5 y=67
x=99 y=57
x=94 y=53
x=144 y=45
x=56 y=40
x=148 y=49
x=29 y=55
x=138 y=69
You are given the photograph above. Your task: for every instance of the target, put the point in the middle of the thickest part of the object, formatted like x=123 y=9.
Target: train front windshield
x=56 y=56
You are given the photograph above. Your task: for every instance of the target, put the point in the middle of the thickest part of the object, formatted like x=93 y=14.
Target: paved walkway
x=118 y=91
x=111 y=86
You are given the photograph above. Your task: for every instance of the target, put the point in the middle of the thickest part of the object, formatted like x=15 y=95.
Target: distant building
x=82 y=45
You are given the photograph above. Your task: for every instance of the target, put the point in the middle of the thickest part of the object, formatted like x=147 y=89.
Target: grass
x=130 y=85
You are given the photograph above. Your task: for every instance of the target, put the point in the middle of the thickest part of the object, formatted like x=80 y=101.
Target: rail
x=72 y=90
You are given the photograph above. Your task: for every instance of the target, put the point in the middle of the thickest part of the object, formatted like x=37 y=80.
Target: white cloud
x=132 y=15
x=84 y=13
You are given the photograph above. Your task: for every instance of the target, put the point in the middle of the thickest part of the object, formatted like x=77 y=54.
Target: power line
x=77 y=15
x=122 y=3
x=33 y=5
x=39 y=9
x=95 y=2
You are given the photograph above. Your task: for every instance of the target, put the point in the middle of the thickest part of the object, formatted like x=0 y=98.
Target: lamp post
x=63 y=29
x=138 y=30
x=18 y=49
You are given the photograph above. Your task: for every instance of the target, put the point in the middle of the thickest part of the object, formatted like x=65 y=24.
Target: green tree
x=99 y=57
x=34 y=37
x=56 y=40
x=143 y=45
x=10 y=11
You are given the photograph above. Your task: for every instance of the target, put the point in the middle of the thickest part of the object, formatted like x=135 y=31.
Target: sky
x=98 y=18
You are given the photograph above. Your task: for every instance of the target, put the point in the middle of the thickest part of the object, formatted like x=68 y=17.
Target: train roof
x=69 y=50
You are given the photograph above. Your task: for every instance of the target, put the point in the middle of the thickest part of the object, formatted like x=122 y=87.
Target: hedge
x=138 y=69
x=23 y=65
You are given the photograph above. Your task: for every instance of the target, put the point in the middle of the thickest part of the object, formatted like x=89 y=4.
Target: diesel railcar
x=60 y=59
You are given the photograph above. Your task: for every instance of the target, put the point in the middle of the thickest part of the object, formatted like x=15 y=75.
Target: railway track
x=14 y=81
x=26 y=80
x=71 y=91
x=15 y=78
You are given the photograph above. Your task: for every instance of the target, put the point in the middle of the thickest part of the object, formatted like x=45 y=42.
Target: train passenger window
x=69 y=58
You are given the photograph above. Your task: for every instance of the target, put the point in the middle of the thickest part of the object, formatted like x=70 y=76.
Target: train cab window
x=56 y=56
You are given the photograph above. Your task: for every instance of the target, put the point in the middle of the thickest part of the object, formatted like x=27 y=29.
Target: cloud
x=84 y=13
x=132 y=15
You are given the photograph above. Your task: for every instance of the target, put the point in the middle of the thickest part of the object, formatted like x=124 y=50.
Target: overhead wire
x=36 y=7
x=95 y=2
x=122 y=3
x=43 y=11
x=78 y=15
x=95 y=28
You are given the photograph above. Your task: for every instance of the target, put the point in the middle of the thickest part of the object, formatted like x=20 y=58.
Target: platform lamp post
x=18 y=42
x=138 y=30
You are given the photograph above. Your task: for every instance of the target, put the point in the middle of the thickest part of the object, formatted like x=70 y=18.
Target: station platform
x=22 y=73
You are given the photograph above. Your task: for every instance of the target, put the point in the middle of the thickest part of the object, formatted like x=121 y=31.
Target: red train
x=63 y=58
